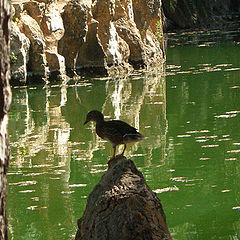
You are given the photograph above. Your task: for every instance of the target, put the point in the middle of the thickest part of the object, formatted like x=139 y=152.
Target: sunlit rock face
x=74 y=15
x=42 y=24
x=37 y=58
x=83 y=36
x=19 y=53
x=126 y=31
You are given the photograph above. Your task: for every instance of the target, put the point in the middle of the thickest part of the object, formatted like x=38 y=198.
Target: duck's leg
x=114 y=152
x=125 y=146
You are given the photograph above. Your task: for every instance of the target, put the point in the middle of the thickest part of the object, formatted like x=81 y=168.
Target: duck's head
x=94 y=116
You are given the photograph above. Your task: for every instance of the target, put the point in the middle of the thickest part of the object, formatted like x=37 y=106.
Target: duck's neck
x=100 y=121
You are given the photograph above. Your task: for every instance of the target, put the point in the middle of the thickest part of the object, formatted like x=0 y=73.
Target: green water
x=191 y=115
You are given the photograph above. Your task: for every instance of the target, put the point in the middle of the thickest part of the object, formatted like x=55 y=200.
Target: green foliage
x=13 y=58
x=159 y=33
x=15 y=20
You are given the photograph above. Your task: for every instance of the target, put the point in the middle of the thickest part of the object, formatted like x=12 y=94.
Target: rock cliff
x=184 y=14
x=122 y=206
x=51 y=38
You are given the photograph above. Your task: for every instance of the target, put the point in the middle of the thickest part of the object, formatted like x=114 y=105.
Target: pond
x=190 y=113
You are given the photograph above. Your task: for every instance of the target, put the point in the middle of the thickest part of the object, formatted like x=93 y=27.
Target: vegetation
x=13 y=58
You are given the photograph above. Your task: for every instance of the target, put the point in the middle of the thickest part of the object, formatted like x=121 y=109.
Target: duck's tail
x=133 y=137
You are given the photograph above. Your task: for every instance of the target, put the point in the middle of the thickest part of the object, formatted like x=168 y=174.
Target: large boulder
x=122 y=206
x=43 y=25
x=56 y=63
x=53 y=30
x=103 y=34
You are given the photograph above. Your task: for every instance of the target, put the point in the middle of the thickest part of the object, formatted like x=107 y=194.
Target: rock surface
x=122 y=206
x=183 y=14
x=19 y=53
x=79 y=36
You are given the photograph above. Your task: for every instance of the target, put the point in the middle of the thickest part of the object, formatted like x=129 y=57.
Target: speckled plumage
x=116 y=132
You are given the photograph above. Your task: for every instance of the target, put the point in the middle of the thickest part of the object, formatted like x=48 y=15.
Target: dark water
x=191 y=115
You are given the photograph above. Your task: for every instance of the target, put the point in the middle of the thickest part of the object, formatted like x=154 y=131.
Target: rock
x=145 y=13
x=104 y=34
x=56 y=64
x=89 y=36
x=43 y=26
x=19 y=54
x=183 y=14
x=147 y=18
x=116 y=50
x=74 y=15
x=122 y=206
x=53 y=30
x=130 y=34
x=37 y=66
x=91 y=54
x=52 y=24
x=17 y=9
x=35 y=10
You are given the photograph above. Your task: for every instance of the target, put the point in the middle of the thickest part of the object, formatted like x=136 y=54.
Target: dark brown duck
x=116 y=132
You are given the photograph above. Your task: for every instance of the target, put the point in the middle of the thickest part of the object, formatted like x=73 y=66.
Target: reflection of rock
x=50 y=134
x=139 y=100
x=106 y=36
x=40 y=151
x=122 y=206
x=141 y=105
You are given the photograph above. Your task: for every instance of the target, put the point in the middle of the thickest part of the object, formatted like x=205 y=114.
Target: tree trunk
x=5 y=101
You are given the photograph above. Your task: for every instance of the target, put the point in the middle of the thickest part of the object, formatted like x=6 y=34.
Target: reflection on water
x=203 y=104
x=56 y=160
x=190 y=114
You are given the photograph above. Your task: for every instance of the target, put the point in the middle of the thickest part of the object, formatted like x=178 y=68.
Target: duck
x=115 y=131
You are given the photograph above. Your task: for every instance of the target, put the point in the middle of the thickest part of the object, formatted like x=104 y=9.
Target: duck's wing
x=118 y=132
x=110 y=131
x=128 y=133
x=122 y=127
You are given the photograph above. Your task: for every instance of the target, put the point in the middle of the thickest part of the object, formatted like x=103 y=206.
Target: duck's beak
x=86 y=122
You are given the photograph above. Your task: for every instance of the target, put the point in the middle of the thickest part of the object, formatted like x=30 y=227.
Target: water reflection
x=42 y=127
x=191 y=158
x=40 y=163
x=203 y=116
x=143 y=106
x=56 y=160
